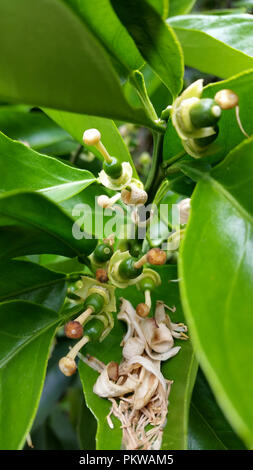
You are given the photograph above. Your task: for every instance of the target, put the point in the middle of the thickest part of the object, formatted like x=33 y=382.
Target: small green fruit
x=102 y=253
x=205 y=113
x=95 y=301
x=93 y=329
x=113 y=168
x=127 y=269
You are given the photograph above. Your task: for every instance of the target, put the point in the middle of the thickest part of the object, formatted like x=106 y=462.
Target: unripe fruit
x=103 y=252
x=127 y=269
x=146 y=284
x=205 y=113
x=93 y=329
x=113 y=168
x=94 y=301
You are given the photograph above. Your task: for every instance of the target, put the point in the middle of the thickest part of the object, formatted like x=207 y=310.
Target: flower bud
x=184 y=208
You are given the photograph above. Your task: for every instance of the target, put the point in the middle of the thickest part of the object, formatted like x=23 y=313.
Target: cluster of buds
x=93 y=324
x=196 y=119
x=115 y=175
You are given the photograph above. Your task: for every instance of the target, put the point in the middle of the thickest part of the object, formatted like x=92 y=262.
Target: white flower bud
x=134 y=196
x=184 y=208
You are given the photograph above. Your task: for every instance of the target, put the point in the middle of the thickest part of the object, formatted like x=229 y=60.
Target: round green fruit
x=127 y=269
x=205 y=113
x=96 y=302
x=113 y=168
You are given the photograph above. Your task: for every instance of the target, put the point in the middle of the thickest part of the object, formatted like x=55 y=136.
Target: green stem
x=173 y=159
x=137 y=80
x=156 y=157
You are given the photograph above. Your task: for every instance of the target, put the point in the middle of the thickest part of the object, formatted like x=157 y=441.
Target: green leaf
x=33 y=127
x=49 y=176
x=161 y=6
x=180 y=7
x=181 y=369
x=224 y=42
x=40 y=72
x=216 y=287
x=156 y=41
x=101 y=19
x=87 y=427
x=208 y=428
x=55 y=385
x=27 y=330
x=30 y=281
x=32 y=224
x=76 y=124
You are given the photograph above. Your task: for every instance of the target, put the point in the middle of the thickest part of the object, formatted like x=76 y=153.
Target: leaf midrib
x=222 y=190
x=38 y=226
x=208 y=425
x=9 y=357
x=34 y=287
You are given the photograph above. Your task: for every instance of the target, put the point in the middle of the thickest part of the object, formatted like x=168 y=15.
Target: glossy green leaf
x=55 y=384
x=181 y=369
x=32 y=224
x=26 y=334
x=33 y=127
x=87 y=427
x=156 y=41
x=49 y=176
x=180 y=7
x=208 y=428
x=30 y=281
x=40 y=72
x=101 y=18
x=76 y=124
x=161 y=6
x=216 y=287
x=224 y=43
